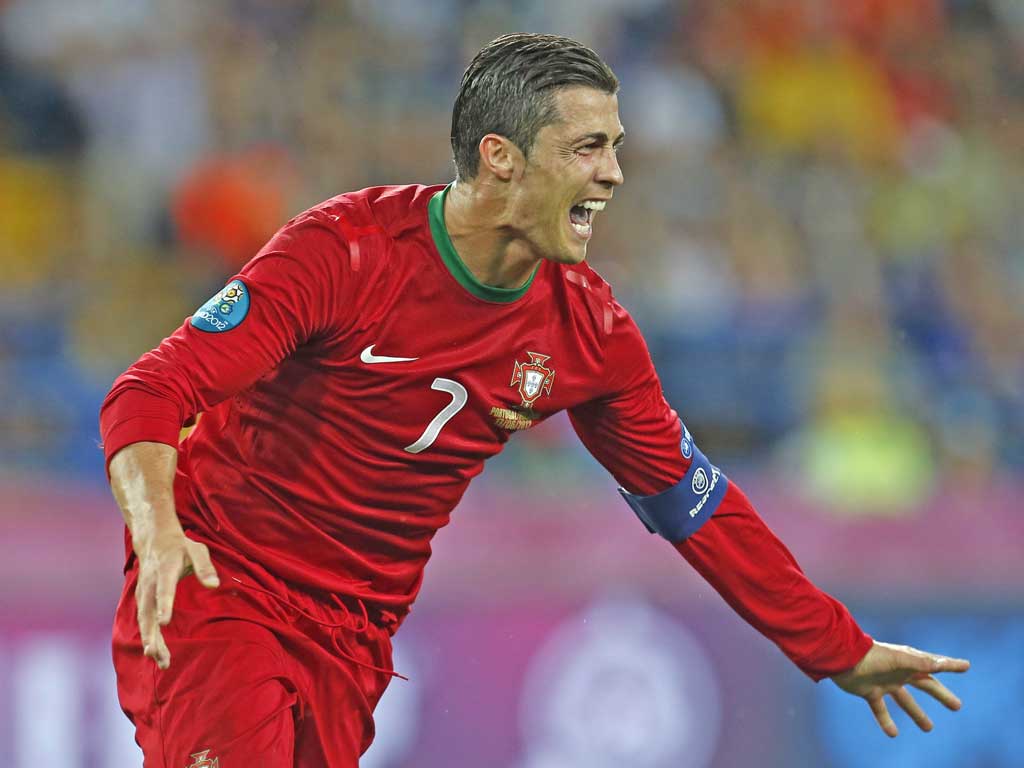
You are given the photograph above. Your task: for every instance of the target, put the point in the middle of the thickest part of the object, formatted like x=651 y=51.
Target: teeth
x=582 y=229
x=593 y=205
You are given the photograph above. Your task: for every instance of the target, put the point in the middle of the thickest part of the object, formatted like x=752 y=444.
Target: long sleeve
x=289 y=293
x=738 y=555
x=636 y=435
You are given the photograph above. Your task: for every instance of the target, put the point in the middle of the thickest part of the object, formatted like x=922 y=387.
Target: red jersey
x=367 y=383
x=355 y=376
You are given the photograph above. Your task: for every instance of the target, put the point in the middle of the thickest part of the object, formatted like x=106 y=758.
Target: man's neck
x=479 y=226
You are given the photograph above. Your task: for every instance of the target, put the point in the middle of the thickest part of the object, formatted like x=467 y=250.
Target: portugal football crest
x=533 y=378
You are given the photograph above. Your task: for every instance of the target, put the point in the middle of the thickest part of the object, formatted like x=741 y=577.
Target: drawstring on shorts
x=333 y=626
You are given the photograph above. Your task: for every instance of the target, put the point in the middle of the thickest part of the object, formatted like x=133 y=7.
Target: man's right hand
x=163 y=560
x=142 y=479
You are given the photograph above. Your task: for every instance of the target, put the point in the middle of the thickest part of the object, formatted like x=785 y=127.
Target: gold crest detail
x=533 y=378
x=506 y=418
x=202 y=760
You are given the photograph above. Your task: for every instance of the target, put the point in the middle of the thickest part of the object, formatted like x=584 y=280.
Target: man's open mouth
x=581 y=216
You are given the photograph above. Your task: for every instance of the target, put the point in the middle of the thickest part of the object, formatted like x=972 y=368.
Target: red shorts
x=255 y=681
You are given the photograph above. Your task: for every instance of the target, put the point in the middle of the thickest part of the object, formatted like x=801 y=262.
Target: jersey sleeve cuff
x=135 y=417
x=843 y=660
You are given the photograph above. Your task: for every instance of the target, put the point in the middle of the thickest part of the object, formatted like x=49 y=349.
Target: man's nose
x=610 y=173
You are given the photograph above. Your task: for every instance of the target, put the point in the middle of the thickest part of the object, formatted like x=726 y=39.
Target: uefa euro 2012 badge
x=225 y=310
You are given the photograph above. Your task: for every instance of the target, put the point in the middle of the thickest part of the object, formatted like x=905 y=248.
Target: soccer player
x=352 y=379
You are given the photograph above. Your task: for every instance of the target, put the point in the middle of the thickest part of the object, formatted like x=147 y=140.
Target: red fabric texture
x=738 y=555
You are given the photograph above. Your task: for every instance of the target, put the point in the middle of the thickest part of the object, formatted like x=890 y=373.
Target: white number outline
x=459 y=398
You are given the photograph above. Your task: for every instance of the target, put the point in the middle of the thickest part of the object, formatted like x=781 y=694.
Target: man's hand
x=162 y=562
x=886 y=669
x=142 y=480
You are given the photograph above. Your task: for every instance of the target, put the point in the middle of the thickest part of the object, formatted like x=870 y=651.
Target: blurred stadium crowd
x=820 y=232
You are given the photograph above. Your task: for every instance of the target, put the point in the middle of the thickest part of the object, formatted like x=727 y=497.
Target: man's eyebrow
x=601 y=137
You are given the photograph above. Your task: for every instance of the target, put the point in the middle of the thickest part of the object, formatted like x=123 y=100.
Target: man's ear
x=500 y=156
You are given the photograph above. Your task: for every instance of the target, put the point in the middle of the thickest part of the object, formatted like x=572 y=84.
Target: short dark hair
x=509 y=89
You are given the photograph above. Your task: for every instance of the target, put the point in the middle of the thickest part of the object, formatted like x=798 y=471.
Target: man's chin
x=575 y=253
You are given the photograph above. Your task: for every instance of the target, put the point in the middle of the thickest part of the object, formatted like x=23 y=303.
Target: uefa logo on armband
x=686 y=444
x=699 y=484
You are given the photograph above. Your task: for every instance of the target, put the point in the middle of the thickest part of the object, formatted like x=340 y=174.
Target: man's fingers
x=199 y=555
x=159 y=573
x=905 y=657
x=946 y=664
x=166 y=586
x=923 y=662
x=881 y=713
x=937 y=691
x=149 y=630
x=145 y=606
x=158 y=650
x=902 y=697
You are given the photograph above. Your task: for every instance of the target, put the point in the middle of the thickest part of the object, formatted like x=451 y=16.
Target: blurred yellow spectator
x=37 y=218
x=831 y=99
x=859 y=456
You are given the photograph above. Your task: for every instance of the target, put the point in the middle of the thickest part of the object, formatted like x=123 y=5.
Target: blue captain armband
x=678 y=512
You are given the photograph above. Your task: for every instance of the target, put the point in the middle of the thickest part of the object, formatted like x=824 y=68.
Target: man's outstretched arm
x=747 y=564
x=678 y=493
x=713 y=525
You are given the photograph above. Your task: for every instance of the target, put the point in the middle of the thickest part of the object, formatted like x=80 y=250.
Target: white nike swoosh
x=369 y=358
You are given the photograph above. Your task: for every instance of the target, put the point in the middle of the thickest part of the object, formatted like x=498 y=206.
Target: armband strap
x=678 y=512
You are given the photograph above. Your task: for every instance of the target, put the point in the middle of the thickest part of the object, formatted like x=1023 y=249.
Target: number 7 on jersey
x=459 y=398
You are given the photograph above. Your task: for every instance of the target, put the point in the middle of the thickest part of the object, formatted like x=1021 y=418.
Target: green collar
x=457 y=266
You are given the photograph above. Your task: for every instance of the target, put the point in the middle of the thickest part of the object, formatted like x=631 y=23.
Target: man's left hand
x=887 y=669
